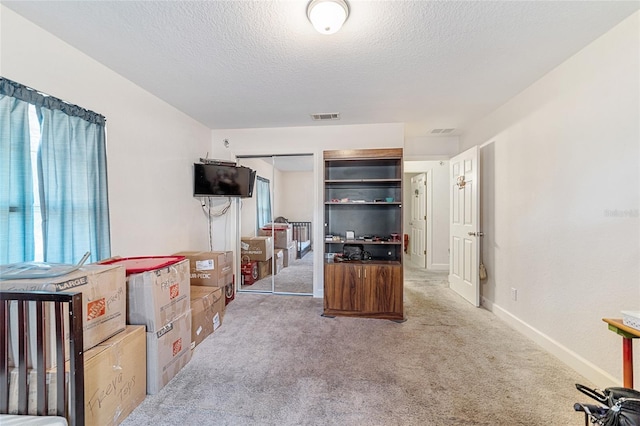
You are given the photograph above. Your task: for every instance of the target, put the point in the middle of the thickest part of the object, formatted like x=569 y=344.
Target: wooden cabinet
x=358 y=289
x=363 y=206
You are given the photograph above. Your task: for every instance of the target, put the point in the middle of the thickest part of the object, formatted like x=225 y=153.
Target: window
x=263 y=202
x=34 y=139
x=53 y=185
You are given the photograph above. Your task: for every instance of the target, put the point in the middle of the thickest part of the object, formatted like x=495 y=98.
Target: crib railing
x=69 y=399
x=302 y=234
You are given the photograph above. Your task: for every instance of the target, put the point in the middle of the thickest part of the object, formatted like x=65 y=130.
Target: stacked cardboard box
x=103 y=308
x=211 y=278
x=290 y=254
x=158 y=297
x=115 y=379
x=168 y=351
x=210 y=268
x=114 y=371
x=278 y=257
x=256 y=248
x=207 y=311
x=282 y=234
x=265 y=268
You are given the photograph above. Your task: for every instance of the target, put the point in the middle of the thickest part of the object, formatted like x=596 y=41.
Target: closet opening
x=276 y=225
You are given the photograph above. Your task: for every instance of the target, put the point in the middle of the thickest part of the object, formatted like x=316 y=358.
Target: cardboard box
x=32 y=395
x=207 y=311
x=103 y=308
x=264 y=269
x=209 y=268
x=168 y=351
x=114 y=380
x=290 y=254
x=249 y=272
x=13 y=391
x=282 y=234
x=158 y=296
x=256 y=248
x=115 y=377
x=278 y=256
x=230 y=291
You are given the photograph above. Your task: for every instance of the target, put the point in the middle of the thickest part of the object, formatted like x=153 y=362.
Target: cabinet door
x=382 y=288
x=343 y=287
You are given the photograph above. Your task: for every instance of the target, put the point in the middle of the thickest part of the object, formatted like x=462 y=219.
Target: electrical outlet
x=514 y=294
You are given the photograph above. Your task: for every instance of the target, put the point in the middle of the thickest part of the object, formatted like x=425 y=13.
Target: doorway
x=427 y=216
x=280 y=214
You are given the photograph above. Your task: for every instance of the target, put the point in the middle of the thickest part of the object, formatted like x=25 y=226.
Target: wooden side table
x=627 y=333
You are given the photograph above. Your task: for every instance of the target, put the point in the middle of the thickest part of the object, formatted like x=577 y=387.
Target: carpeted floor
x=277 y=361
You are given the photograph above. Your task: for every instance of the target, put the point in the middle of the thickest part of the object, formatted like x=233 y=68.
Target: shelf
x=351 y=203
x=357 y=185
x=380 y=243
x=363 y=262
x=361 y=181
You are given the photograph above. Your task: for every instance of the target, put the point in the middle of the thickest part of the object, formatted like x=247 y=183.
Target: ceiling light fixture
x=327 y=16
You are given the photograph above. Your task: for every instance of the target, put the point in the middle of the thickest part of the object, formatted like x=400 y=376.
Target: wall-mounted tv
x=222 y=180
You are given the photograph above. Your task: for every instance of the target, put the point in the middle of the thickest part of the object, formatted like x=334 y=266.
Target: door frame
x=427 y=165
x=238 y=232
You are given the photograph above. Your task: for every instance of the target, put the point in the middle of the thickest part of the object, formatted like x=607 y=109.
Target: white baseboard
x=591 y=372
x=439 y=267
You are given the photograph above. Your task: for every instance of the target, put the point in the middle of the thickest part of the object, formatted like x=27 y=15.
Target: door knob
x=476 y=234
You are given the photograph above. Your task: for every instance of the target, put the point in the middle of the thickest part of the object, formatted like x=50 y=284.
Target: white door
x=418 y=238
x=465 y=234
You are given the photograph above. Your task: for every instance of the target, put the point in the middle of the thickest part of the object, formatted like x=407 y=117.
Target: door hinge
x=425 y=217
x=424 y=252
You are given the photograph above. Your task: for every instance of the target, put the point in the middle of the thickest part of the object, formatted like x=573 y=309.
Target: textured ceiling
x=243 y=64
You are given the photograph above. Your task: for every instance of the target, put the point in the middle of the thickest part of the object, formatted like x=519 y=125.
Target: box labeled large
x=282 y=234
x=207 y=311
x=209 y=268
x=168 y=351
x=103 y=307
x=157 y=289
x=256 y=248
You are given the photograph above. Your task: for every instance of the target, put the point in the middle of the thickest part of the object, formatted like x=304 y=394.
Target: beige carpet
x=277 y=361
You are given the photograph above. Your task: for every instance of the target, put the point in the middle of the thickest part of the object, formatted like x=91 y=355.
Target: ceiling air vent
x=326 y=116
x=442 y=131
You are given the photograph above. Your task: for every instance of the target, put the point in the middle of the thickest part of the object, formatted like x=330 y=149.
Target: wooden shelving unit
x=363 y=195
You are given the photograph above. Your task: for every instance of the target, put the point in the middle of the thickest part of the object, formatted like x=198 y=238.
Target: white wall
x=151 y=146
x=303 y=140
x=297 y=196
x=560 y=199
x=430 y=147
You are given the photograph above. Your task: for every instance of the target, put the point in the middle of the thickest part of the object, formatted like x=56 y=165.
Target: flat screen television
x=219 y=180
